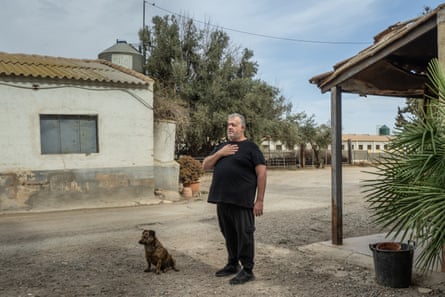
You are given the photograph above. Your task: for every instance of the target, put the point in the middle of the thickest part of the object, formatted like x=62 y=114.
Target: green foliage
x=408 y=194
x=201 y=78
x=412 y=109
x=190 y=170
x=318 y=136
x=199 y=71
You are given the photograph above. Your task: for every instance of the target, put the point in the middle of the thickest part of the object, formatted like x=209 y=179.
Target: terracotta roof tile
x=22 y=65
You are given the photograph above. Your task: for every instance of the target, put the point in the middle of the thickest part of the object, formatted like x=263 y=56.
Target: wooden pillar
x=441 y=36
x=441 y=57
x=350 y=152
x=336 y=183
x=443 y=259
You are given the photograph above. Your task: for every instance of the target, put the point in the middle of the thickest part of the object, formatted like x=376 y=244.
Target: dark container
x=393 y=262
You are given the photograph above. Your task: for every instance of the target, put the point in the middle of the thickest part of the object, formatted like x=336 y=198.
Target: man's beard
x=234 y=136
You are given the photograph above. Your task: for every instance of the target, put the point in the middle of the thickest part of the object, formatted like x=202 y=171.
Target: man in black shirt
x=238 y=187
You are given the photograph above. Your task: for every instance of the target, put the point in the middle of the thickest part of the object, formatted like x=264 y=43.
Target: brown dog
x=155 y=253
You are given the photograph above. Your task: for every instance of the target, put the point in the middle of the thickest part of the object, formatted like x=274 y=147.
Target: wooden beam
x=441 y=57
x=375 y=53
x=336 y=184
x=440 y=36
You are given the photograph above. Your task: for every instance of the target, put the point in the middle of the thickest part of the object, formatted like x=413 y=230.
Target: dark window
x=68 y=134
x=279 y=147
x=360 y=147
x=369 y=147
x=377 y=146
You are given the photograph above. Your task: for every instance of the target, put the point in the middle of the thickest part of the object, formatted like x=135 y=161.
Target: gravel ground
x=95 y=252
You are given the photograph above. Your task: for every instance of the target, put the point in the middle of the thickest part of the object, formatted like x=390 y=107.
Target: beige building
x=365 y=142
x=356 y=148
x=354 y=142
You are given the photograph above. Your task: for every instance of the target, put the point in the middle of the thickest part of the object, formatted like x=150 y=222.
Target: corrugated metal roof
x=57 y=68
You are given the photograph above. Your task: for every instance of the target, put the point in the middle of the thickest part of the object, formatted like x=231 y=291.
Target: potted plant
x=190 y=171
x=407 y=193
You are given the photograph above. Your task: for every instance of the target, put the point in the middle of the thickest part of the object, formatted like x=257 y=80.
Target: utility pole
x=142 y=47
x=143 y=13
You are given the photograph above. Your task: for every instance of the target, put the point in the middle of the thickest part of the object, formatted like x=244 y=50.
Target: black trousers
x=237 y=225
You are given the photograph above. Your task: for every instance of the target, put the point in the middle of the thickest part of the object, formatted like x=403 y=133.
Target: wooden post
x=350 y=152
x=443 y=259
x=441 y=57
x=440 y=36
x=336 y=183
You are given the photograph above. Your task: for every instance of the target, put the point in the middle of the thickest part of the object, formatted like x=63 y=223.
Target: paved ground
x=95 y=252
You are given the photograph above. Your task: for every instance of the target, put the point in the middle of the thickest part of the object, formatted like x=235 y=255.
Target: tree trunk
x=317 y=158
x=302 y=155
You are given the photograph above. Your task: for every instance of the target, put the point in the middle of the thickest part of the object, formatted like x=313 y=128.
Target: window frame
x=68 y=134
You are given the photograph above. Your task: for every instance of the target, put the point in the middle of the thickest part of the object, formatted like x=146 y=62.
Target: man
x=238 y=187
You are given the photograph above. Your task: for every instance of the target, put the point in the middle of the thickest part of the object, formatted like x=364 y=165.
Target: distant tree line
x=201 y=78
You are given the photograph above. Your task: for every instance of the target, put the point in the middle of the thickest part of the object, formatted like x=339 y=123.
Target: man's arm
x=209 y=162
x=261 y=189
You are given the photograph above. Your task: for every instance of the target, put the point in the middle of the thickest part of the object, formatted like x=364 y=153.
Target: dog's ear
x=151 y=232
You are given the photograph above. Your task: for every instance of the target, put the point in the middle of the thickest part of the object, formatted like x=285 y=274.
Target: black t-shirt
x=234 y=177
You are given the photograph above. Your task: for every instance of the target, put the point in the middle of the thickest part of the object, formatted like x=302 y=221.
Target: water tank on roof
x=384 y=130
x=123 y=54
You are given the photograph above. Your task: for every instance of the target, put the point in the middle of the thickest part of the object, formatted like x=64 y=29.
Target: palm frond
x=407 y=192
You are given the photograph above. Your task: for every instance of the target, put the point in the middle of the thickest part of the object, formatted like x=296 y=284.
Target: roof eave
x=348 y=68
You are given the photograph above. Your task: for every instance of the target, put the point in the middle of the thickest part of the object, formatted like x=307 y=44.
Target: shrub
x=190 y=170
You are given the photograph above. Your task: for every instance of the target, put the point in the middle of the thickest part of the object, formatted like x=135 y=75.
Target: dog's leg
x=148 y=266
x=169 y=264
x=158 y=266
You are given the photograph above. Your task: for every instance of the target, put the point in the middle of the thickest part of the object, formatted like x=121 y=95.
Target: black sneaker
x=242 y=277
x=229 y=269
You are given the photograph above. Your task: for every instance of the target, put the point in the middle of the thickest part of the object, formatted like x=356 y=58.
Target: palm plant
x=407 y=194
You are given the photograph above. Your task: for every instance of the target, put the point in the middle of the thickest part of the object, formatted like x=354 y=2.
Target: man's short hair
x=241 y=117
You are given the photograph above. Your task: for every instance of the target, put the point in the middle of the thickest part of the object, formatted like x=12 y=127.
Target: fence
x=291 y=159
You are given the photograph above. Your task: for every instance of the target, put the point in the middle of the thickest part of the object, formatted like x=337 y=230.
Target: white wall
x=125 y=127
x=164 y=140
x=356 y=144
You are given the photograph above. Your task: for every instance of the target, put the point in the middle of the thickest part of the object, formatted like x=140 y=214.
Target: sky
x=292 y=40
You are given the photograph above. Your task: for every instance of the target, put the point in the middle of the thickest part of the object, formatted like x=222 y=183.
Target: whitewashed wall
x=121 y=173
x=125 y=127
x=166 y=168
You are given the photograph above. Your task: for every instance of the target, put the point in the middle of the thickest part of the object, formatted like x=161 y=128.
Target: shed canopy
x=395 y=65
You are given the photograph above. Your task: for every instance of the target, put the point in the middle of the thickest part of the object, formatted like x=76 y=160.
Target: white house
x=355 y=148
x=73 y=133
x=365 y=142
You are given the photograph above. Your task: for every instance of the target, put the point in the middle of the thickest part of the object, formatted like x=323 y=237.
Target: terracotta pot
x=196 y=187
x=388 y=246
x=187 y=192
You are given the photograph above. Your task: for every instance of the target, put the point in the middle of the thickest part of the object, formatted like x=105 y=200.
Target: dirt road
x=95 y=252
